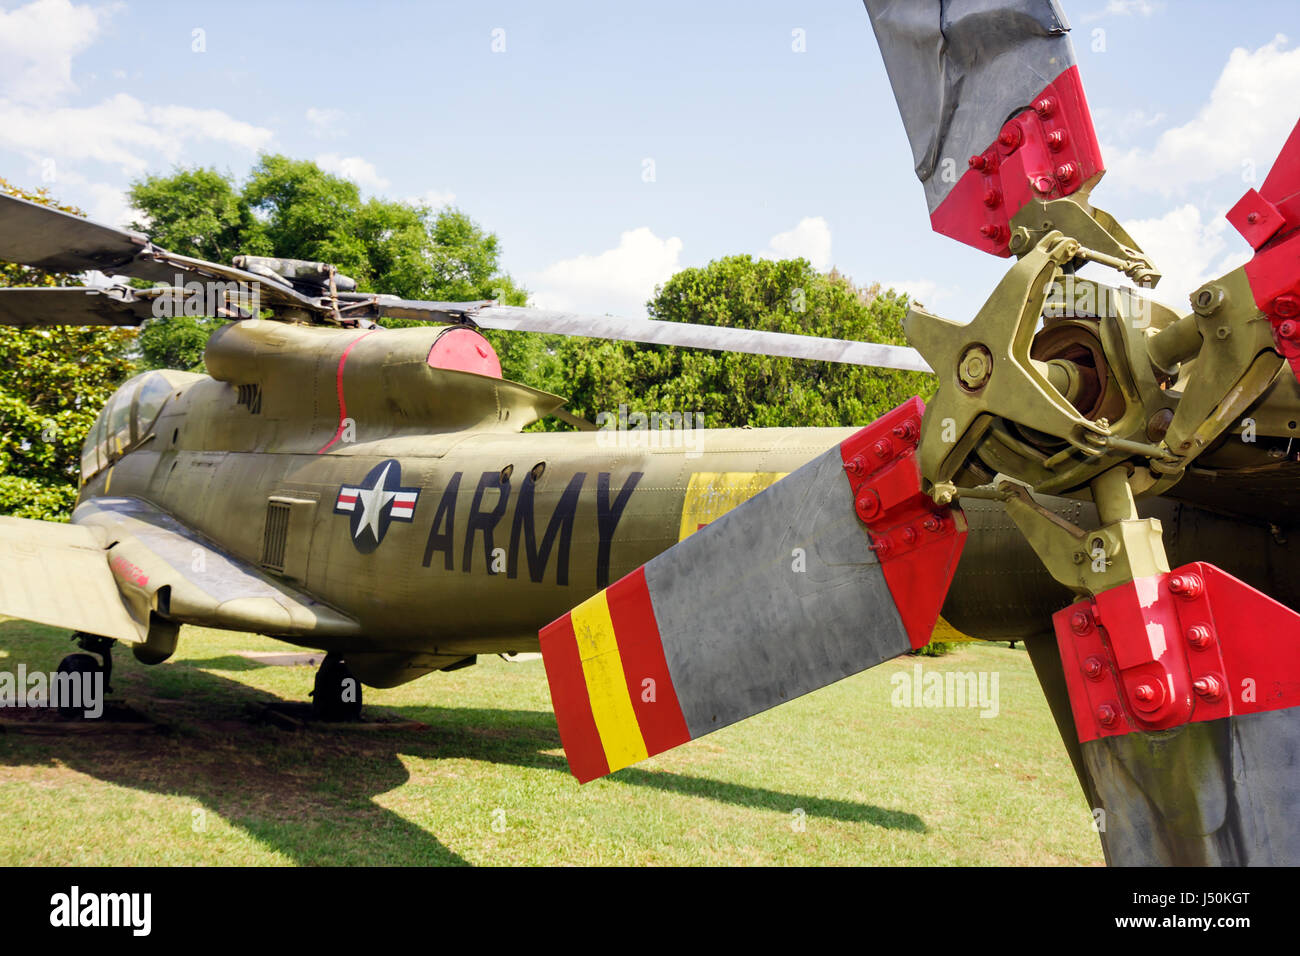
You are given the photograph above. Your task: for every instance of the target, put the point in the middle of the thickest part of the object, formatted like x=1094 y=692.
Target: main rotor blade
x=43 y=307
x=57 y=241
x=990 y=95
x=719 y=338
x=831 y=570
x=50 y=239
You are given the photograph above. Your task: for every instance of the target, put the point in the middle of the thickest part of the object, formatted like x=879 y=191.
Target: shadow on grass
x=310 y=795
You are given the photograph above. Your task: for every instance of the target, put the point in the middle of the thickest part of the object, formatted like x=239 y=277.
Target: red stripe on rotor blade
x=1005 y=178
x=641 y=649
x=570 y=700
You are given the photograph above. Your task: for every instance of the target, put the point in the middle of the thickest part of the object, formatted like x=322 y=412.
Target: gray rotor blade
x=56 y=241
x=46 y=238
x=718 y=338
x=43 y=307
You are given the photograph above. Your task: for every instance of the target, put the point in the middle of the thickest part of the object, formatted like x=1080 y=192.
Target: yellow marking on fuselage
x=602 y=668
x=108 y=479
x=711 y=494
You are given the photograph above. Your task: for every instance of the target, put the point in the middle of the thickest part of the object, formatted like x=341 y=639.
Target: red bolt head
x=1044 y=184
x=907 y=431
x=1010 y=136
x=1045 y=107
x=1186 y=585
x=1106 y=715
x=881 y=546
x=1288 y=329
x=857 y=466
x=1065 y=172
x=909 y=535
x=1094 y=668
x=1057 y=139
x=868 y=505
x=1080 y=622
x=992 y=198
x=977 y=162
x=1253 y=218
x=1209 y=687
x=932 y=523
x=1148 y=697
x=1286 y=306
x=883 y=448
x=991 y=231
x=1199 y=635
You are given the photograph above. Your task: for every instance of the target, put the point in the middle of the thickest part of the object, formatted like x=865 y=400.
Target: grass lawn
x=841 y=776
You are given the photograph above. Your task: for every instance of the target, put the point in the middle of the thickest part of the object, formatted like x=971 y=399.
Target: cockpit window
x=126 y=419
x=90 y=450
x=149 y=401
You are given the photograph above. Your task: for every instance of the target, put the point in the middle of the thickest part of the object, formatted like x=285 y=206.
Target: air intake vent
x=277 y=533
x=251 y=395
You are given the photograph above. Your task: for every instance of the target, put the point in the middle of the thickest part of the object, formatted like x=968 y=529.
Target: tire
x=77 y=664
x=336 y=694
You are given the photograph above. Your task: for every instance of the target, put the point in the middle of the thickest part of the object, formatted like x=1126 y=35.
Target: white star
x=372 y=504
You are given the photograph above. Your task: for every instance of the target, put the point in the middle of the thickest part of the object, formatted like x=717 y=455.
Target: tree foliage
x=735 y=389
x=53 y=383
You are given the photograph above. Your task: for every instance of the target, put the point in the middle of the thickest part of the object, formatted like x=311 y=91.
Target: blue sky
x=755 y=147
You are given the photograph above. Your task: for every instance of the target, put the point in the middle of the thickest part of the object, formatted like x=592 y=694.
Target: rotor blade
x=57 y=241
x=50 y=239
x=990 y=96
x=831 y=570
x=719 y=338
x=65 y=305
x=1185 y=693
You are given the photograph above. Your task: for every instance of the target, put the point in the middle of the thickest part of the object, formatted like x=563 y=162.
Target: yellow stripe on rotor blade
x=943 y=631
x=711 y=494
x=602 y=668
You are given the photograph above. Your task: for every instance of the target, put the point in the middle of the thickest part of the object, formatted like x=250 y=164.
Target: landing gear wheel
x=337 y=693
x=77 y=664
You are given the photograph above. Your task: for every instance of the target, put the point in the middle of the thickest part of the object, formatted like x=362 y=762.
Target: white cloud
x=1190 y=249
x=618 y=281
x=360 y=171
x=920 y=291
x=325 y=123
x=433 y=198
x=1238 y=131
x=1127 y=8
x=811 y=240
x=120 y=131
x=37 y=44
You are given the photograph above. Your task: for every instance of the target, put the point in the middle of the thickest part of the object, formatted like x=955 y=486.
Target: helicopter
x=371 y=492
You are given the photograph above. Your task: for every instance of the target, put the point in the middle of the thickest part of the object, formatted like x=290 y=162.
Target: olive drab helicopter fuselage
x=377 y=484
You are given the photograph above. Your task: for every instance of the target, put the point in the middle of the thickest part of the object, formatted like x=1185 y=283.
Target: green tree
x=53 y=382
x=736 y=389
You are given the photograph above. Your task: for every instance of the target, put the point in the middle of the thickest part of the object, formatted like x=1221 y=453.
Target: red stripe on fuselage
x=338 y=382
